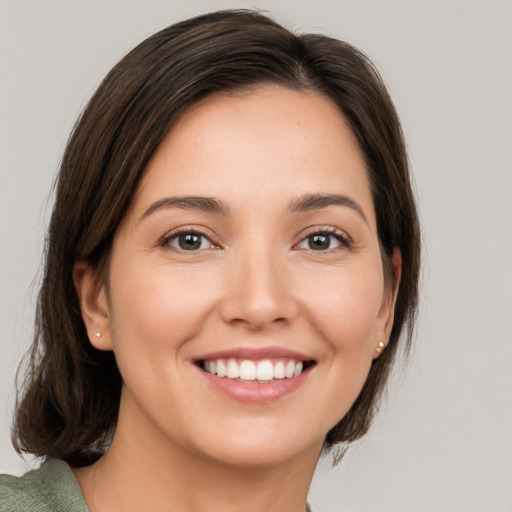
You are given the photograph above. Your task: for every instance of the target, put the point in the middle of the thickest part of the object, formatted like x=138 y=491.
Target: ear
x=387 y=310
x=92 y=296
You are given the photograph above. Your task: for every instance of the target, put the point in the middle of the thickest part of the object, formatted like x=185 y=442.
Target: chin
x=256 y=455
x=260 y=447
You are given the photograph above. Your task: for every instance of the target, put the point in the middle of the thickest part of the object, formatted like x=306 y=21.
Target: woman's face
x=250 y=247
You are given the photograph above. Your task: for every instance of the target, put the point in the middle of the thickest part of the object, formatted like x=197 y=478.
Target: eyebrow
x=317 y=201
x=304 y=203
x=203 y=204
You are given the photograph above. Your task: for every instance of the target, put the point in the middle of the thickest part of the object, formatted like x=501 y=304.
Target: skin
x=255 y=281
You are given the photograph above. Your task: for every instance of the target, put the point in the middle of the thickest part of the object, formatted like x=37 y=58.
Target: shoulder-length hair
x=69 y=403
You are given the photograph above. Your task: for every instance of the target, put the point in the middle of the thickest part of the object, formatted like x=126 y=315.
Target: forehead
x=270 y=141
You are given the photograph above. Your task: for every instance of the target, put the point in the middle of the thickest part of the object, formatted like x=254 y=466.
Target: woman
x=232 y=257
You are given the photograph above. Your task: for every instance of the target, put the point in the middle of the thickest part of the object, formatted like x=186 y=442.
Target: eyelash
x=342 y=238
x=339 y=236
x=166 y=240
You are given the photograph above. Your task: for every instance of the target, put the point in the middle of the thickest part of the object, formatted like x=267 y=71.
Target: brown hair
x=70 y=400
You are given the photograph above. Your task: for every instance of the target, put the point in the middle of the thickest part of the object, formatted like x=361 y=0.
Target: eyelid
x=198 y=230
x=345 y=240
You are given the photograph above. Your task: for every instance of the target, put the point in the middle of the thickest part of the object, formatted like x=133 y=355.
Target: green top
x=51 y=488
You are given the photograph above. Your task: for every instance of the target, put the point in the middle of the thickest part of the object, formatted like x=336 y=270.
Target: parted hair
x=68 y=401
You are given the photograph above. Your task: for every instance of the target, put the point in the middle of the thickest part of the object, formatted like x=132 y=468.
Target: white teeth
x=221 y=368
x=265 y=370
x=279 y=370
x=233 y=371
x=289 y=369
x=247 y=370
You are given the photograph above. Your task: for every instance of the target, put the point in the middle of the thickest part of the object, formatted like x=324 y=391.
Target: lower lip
x=256 y=392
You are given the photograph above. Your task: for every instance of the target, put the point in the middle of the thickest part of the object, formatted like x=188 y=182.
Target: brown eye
x=323 y=241
x=189 y=241
x=319 y=242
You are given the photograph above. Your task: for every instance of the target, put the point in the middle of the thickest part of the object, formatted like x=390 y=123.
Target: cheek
x=159 y=306
x=344 y=307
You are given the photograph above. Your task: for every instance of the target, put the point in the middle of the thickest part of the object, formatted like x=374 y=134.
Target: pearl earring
x=97 y=334
x=380 y=347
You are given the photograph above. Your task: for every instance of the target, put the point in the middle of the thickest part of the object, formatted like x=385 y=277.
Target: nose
x=258 y=293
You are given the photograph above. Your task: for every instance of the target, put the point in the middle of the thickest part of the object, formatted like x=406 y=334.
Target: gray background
x=443 y=439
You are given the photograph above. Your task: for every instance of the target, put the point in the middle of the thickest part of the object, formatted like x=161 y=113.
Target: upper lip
x=255 y=353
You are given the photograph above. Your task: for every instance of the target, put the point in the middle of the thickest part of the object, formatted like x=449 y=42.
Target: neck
x=147 y=471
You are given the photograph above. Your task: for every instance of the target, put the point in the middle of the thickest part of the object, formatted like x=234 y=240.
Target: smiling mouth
x=262 y=371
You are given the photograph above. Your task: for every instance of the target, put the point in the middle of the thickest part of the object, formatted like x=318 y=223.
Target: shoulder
x=51 y=488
